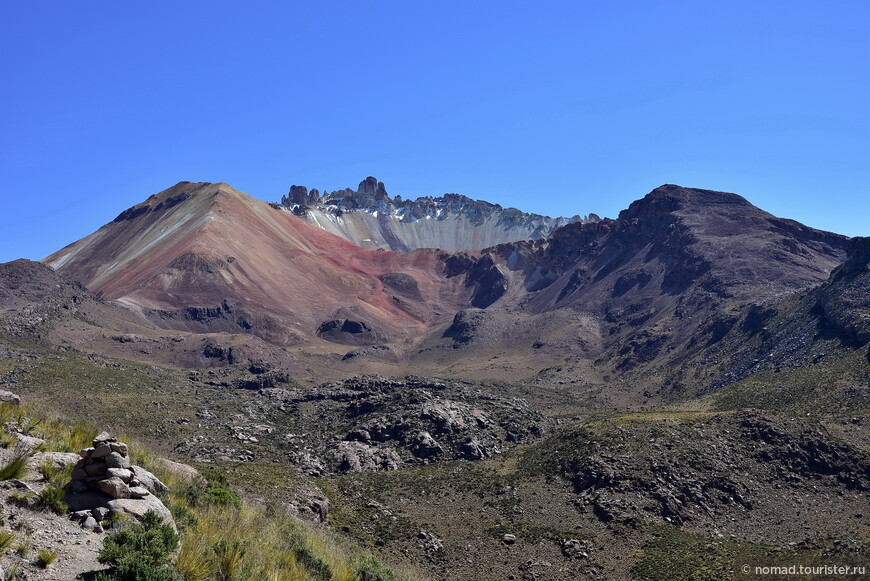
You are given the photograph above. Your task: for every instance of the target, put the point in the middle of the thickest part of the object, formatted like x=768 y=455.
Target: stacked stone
x=106 y=468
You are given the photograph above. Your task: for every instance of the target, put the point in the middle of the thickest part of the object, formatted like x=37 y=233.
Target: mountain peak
x=370 y=218
x=669 y=198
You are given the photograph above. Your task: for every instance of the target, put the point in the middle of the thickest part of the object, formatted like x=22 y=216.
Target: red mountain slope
x=206 y=256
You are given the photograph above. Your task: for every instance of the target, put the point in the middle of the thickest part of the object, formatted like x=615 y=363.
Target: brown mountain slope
x=651 y=289
x=202 y=256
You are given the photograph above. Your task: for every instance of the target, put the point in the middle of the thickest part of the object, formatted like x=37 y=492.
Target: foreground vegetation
x=221 y=536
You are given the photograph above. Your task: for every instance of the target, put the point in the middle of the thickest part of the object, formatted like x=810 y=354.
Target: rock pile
x=105 y=482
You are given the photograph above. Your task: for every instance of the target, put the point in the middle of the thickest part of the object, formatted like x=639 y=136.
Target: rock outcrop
x=370 y=218
x=379 y=424
x=844 y=300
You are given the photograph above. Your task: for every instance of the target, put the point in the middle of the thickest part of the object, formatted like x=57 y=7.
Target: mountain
x=370 y=218
x=206 y=257
x=636 y=295
x=611 y=298
x=647 y=397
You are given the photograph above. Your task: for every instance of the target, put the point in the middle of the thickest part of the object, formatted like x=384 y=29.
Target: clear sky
x=559 y=108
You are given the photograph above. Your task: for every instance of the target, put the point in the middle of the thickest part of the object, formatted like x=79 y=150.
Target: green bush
x=149 y=541
x=215 y=492
x=131 y=569
x=184 y=517
x=222 y=496
x=370 y=569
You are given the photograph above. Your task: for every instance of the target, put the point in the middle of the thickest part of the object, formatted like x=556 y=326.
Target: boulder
x=9 y=397
x=91 y=524
x=136 y=507
x=149 y=481
x=104 y=437
x=86 y=500
x=56 y=459
x=138 y=492
x=120 y=448
x=96 y=469
x=80 y=515
x=116 y=460
x=425 y=446
x=114 y=487
x=28 y=442
x=123 y=473
x=183 y=470
x=101 y=450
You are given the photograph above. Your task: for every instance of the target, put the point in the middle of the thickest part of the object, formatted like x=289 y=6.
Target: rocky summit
x=470 y=391
x=370 y=218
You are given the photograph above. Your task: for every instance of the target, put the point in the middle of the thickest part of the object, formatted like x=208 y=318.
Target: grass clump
x=15 y=468
x=51 y=497
x=21 y=498
x=370 y=569
x=254 y=543
x=44 y=558
x=55 y=475
x=23 y=548
x=6 y=540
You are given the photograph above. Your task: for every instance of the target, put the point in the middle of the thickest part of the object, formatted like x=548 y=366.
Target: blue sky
x=559 y=108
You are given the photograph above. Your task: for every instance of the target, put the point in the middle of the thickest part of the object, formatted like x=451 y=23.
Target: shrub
x=215 y=492
x=184 y=517
x=222 y=496
x=131 y=569
x=44 y=558
x=149 y=541
x=370 y=569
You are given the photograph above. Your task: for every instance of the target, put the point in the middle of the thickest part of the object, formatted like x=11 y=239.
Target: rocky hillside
x=370 y=218
x=648 y=291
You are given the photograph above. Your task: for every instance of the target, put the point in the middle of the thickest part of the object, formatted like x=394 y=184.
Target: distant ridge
x=370 y=218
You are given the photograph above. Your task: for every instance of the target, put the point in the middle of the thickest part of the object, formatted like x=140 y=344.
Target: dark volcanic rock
x=704 y=470
x=845 y=299
x=488 y=281
x=382 y=423
x=349 y=332
x=401 y=283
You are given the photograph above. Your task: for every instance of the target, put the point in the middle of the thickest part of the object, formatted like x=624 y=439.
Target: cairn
x=104 y=482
